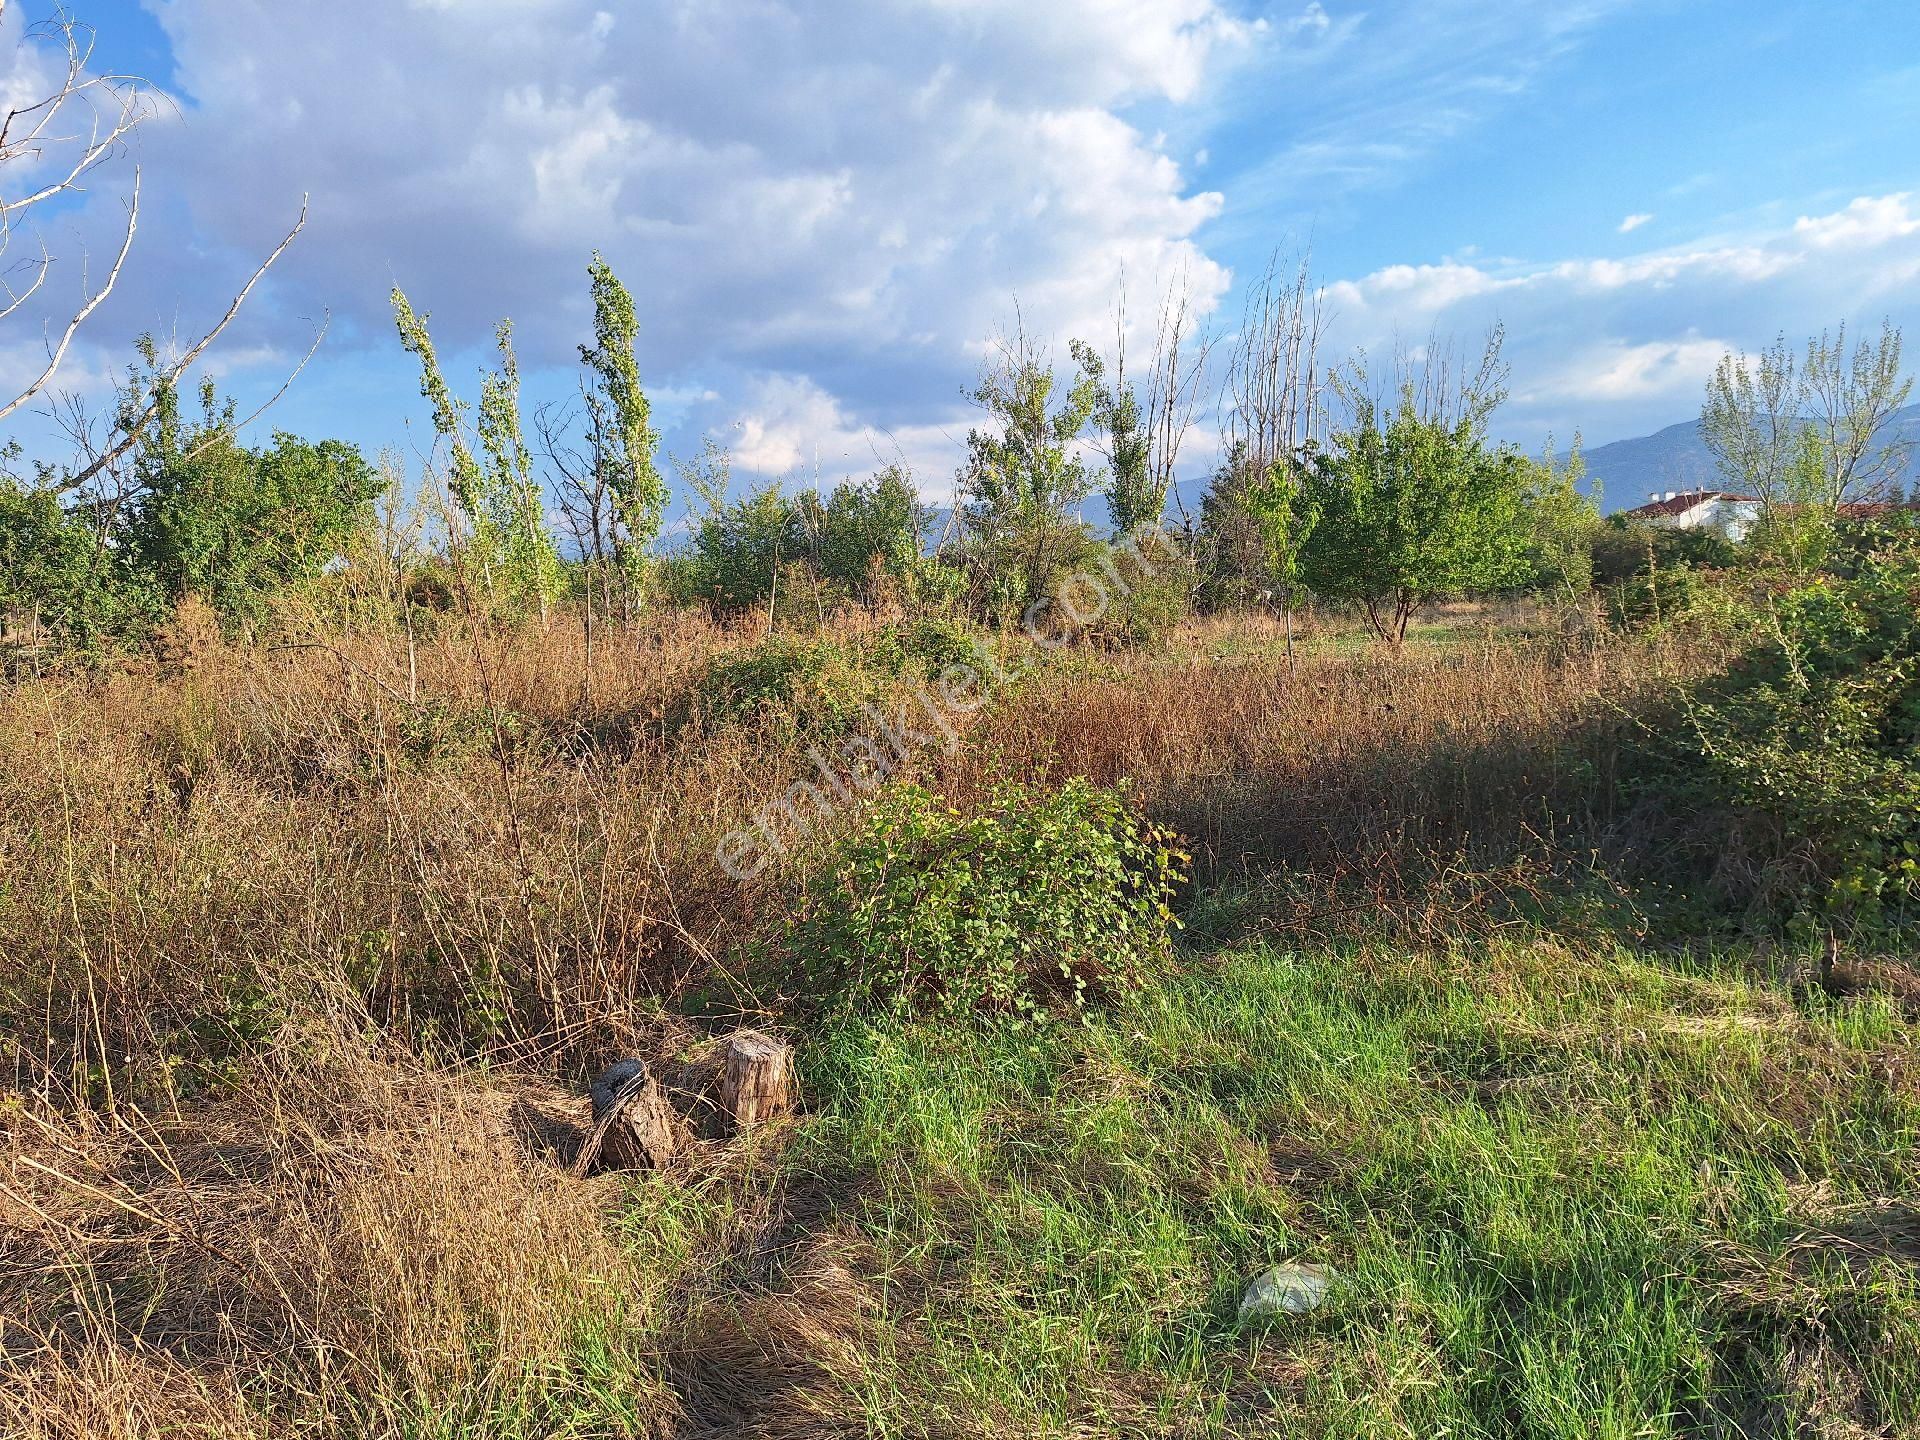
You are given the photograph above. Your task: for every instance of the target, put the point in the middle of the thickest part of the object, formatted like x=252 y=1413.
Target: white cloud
x=789 y=428
x=787 y=187
x=1622 y=345
x=1635 y=221
x=1415 y=291
x=1664 y=267
x=1868 y=222
x=1616 y=370
x=1313 y=20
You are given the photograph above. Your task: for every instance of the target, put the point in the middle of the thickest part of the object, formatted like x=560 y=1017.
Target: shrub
x=1817 y=729
x=792 y=684
x=1033 y=900
x=923 y=647
x=865 y=531
x=239 y=525
x=58 y=574
x=1139 y=593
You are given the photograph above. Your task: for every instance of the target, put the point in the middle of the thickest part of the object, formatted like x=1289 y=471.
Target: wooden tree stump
x=634 y=1127
x=756 y=1078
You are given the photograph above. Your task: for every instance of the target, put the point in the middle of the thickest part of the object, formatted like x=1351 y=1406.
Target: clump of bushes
x=788 y=683
x=924 y=647
x=1815 y=734
x=1650 y=573
x=1031 y=902
x=818 y=684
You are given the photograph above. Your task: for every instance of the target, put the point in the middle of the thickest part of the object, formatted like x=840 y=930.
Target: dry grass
x=485 y=841
x=338 y=1232
x=303 y=951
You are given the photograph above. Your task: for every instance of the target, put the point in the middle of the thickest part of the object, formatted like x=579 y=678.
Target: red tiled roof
x=1680 y=504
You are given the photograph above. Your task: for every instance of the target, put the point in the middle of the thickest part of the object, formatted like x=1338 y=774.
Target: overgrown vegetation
x=1813 y=737
x=1030 y=901
x=1400 y=869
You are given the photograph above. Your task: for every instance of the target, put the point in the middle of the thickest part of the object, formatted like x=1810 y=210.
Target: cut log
x=634 y=1128
x=756 y=1078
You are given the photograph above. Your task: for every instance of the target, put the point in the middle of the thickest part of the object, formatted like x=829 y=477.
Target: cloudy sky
x=825 y=207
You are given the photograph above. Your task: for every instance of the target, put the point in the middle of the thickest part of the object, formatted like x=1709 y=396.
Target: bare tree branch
x=179 y=367
x=59 y=352
x=326 y=320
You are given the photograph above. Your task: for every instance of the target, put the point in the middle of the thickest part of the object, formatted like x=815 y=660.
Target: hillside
x=1676 y=458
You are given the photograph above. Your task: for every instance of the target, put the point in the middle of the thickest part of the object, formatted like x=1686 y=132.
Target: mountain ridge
x=1676 y=458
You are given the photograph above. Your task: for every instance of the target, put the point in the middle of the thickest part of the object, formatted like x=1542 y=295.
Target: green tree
x=195 y=512
x=1230 y=543
x=865 y=529
x=1022 y=479
x=620 y=417
x=1254 y=522
x=1410 y=503
x=236 y=525
x=1284 y=516
x=513 y=495
x=1563 y=522
x=59 y=575
x=1134 y=497
x=500 y=497
x=740 y=546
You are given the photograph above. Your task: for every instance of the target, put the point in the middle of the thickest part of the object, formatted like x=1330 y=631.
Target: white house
x=1732 y=515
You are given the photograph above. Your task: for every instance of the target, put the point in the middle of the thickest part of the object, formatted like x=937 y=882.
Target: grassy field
x=305 y=955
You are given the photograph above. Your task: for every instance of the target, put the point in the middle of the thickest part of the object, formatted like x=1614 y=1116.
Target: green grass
x=1579 y=1197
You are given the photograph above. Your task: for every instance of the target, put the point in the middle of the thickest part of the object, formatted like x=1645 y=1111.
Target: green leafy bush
x=924 y=647
x=1142 y=591
x=1033 y=900
x=852 y=546
x=58 y=570
x=1816 y=731
x=795 y=685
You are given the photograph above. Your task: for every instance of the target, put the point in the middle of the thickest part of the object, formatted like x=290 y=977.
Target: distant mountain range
x=1676 y=458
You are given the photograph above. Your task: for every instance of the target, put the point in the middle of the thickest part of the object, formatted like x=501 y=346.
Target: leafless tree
x=1850 y=399
x=1437 y=381
x=1809 y=433
x=1175 y=371
x=1274 y=386
x=54 y=147
x=579 y=466
x=49 y=148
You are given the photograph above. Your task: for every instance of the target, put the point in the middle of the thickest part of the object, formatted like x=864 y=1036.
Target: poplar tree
x=618 y=412
x=497 y=490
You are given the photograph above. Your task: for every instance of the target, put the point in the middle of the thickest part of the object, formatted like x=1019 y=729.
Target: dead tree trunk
x=634 y=1127
x=756 y=1082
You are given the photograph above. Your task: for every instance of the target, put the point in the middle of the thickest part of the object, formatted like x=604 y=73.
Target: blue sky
x=825 y=209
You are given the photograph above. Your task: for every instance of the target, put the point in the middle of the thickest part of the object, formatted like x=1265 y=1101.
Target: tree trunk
x=756 y=1081
x=634 y=1127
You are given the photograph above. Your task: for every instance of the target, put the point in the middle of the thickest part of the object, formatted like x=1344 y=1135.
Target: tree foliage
x=843 y=546
x=1802 y=434
x=497 y=491
x=199 y=514
x=1563 y=522
x=619 y=414
x=1410 y=502
x=235 y=525
x=1023 y=478
x=1134 y=495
